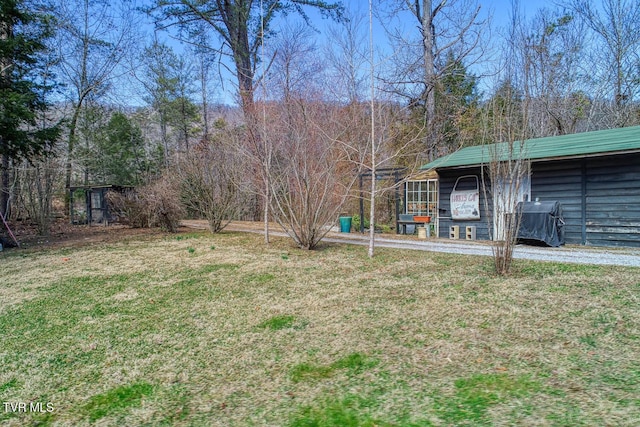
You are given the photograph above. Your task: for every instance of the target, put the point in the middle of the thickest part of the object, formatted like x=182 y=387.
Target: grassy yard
x=196 y=330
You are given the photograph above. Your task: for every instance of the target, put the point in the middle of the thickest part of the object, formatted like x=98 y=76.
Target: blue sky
x=500 y=10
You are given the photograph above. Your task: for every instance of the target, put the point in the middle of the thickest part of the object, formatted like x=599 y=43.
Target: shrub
x=208 y=181
x=153 y=205
x=164 y=207
x=356 y=222
x=129 y=208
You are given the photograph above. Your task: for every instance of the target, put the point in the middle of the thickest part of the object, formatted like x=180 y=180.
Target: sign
x=465 y=204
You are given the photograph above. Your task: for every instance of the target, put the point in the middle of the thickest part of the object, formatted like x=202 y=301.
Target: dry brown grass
x=551 y=344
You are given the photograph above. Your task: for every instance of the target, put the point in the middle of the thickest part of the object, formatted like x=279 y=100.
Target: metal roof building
x=595 y=176
x=579 y=145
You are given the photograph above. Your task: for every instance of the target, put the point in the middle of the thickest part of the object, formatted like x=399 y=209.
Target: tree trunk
x=429 y=95
x=5 y=75
x=4 y=186
x=372 y=210
x=73 y=126
x=428 y=41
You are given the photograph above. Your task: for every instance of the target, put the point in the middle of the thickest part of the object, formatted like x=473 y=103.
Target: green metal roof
x=584 y=144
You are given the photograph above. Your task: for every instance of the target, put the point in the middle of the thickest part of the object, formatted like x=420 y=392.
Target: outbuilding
x=595 y=177
x=89 y=204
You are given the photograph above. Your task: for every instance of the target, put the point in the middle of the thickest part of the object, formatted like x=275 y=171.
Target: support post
x=361 y=206
x=396 y=180
x=583 y=191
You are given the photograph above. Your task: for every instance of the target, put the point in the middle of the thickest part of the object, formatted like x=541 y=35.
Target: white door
x=506 y=195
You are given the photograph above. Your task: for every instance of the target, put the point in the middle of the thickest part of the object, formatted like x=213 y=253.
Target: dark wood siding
x=600 y=197
x=447 y=180
x=561 y=181
x=613 y=201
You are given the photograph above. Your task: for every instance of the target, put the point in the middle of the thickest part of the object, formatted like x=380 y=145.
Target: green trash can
x=345 y=224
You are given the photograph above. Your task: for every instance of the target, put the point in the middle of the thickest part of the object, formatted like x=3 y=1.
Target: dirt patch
x=64 y=234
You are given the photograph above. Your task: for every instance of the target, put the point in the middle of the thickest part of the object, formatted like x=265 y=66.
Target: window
x=422 y=198
x=96 y=199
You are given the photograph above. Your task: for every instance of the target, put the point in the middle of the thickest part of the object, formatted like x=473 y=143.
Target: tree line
x=88 y=98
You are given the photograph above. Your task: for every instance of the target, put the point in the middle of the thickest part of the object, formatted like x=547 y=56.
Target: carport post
x=361 y=206
x=396 y=179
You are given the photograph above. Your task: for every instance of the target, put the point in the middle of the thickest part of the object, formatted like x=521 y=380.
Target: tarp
x=541 y=222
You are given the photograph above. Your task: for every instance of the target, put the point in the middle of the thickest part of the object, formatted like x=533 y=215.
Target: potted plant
x=422 y=218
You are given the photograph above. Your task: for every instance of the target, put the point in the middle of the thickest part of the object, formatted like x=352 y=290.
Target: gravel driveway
x=576 y=255
x=627 y=257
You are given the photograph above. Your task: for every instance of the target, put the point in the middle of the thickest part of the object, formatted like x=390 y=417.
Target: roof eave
x=541 y=159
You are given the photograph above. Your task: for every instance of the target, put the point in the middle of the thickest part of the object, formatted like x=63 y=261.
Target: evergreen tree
x=505 y=114
x=457 y=109
x=120 y=155
x=240 y=24
x=22 y=93
x=169 y=84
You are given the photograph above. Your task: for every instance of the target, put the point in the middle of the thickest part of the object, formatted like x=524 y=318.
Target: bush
x=356 y=222
x=163 y=205
x=153 y=205
x=129 y=207
x=208 y=183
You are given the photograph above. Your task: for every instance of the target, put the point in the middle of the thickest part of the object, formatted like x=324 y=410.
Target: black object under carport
x=541 y=223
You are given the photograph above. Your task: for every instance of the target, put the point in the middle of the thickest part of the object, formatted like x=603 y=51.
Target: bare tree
x=311 y=174
x=93 y=38
x=37 y=182
x=210 y=181
x=547 y=65
x=346 y=52
x=296 y=69
x=616 y=50
x=205 y=60
x=444 y=28
x=508 y=171
x=242 y=27
x=388 y=143
x=505 y=178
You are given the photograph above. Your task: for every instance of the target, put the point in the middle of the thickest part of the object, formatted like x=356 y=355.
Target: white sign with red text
x=465 y=204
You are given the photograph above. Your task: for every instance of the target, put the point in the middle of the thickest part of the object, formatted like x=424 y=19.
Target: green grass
x=278 y=322
x=474 y=396
x=9 y=384
x=116 y=400
x=149 y=332
x=345 y=412
x=352 y=364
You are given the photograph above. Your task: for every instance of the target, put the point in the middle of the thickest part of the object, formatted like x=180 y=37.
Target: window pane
x=96 y=200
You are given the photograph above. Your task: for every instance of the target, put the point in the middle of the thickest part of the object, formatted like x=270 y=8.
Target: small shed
x=595 y=177
x=88 y=204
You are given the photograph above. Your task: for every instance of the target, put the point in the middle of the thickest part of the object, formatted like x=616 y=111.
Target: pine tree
x=22 y=95
x=121 y=157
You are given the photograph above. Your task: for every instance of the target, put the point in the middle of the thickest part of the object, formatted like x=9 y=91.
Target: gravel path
x=574 y=254
x=621 y=257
